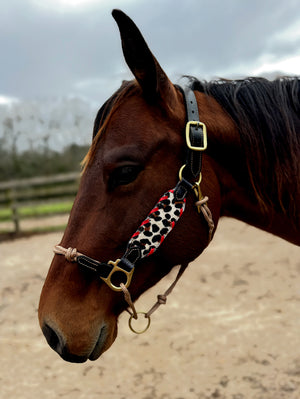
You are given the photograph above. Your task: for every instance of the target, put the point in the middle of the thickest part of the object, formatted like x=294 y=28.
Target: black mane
x=267 y=114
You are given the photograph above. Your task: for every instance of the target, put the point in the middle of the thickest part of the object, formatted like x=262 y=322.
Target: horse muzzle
x=77 y=350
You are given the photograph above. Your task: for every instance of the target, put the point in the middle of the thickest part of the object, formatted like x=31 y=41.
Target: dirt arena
x=230 y=329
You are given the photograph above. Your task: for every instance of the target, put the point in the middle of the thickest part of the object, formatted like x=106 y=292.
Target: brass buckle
x=115 y=269
x=187 y=135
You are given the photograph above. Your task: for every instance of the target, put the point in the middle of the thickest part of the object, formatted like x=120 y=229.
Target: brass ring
x=139 y=331
x=118 y=287
x=180 y=171
x=115 y=269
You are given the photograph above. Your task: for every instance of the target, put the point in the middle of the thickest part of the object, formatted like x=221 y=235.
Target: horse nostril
x=57 y=342
x=54 y=339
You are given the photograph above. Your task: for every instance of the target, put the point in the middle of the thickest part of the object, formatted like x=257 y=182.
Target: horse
x=165 y=164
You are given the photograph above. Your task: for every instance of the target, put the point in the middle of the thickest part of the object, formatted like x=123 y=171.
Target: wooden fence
x=17 y=195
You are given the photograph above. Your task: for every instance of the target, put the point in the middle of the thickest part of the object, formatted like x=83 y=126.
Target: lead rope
x=203 y=207
x=161 y=300
x=71 y=255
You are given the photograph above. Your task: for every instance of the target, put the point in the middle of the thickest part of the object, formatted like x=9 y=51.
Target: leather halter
x=174 y=200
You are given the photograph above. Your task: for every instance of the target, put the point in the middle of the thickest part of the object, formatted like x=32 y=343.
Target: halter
x=162 y=218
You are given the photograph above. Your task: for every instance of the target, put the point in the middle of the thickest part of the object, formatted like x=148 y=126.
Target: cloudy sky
x=53 y=48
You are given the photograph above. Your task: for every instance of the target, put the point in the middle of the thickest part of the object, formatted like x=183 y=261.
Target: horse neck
x=238 y=196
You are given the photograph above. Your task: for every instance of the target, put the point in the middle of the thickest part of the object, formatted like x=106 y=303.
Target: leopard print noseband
x=155 y=228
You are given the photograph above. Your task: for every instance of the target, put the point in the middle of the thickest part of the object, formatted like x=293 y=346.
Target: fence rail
x=32 y=193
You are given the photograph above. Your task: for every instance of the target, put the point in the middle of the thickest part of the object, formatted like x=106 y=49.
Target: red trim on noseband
x=136 y=234
x=165 y=197
x=151 y=251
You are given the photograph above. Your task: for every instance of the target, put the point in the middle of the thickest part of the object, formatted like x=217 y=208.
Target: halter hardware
x=196 y=187
x=134 y=329
x=198 y=192
x=198 y=125
x=117 y=269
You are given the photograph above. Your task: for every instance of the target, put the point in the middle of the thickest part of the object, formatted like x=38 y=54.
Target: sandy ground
x=230 y=329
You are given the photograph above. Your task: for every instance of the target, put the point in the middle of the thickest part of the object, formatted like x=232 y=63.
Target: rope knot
x=71 y=254
x=162 y=299
x=202 y=201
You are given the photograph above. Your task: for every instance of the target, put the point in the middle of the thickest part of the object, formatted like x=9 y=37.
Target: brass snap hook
x=197 y=188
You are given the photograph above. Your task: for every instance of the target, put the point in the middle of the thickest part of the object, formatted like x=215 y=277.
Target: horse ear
x=142 y=63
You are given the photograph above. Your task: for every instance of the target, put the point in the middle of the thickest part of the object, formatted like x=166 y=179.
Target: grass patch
x=5 y=215
x=37 y=210
x=45 y=209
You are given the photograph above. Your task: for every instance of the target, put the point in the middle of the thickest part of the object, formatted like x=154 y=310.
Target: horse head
x=137 y=150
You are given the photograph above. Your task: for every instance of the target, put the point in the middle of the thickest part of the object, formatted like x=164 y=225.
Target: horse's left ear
x=147 y=71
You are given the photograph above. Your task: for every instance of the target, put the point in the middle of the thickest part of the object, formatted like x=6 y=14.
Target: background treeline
x=44 y=137
x=33 y=162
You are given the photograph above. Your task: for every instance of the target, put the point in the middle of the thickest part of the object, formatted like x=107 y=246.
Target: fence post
x=14 y=209
x=42 y=189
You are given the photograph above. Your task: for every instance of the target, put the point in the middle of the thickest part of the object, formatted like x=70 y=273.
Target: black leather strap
x=193 y=158
x=182 y=188
x=101 y=268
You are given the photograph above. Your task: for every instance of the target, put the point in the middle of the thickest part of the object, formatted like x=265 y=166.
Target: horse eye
x=123 y=175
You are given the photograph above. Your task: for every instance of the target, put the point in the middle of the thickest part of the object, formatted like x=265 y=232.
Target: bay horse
x=133 y=213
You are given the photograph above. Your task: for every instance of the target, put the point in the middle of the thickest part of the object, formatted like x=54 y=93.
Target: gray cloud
x=47 y=53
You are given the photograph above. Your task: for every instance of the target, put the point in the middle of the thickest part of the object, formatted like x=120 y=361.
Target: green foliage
x=37 y=210
x=32 y=163
x=46 y=209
